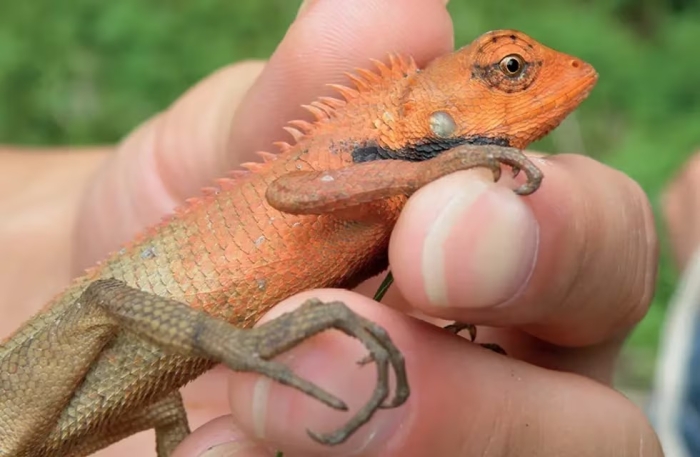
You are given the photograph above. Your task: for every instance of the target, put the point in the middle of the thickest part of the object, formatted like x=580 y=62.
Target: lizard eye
x=512 y=65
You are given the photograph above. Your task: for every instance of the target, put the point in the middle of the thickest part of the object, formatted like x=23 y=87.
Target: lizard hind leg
x=41 y=366
x=179 y=329
x=167 y=416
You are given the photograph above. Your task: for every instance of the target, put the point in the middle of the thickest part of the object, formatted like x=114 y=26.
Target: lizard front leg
x=321 y=192
x=179 y=329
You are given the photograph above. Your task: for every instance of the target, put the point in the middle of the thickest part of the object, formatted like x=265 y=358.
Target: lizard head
x=504 y=88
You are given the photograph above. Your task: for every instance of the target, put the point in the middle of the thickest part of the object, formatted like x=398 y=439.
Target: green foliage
x=83 y=72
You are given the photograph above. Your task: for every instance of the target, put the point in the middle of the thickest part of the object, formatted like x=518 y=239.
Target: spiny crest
x=347 y=93
x=318 y=113
x=226 y=183
x=384 y=71
x=296 y=134
x=332 y=102
x=302 y=125
x=237 y=174
x=267 y=156
x=178 y=211
x=209 y=190
x=322 y=109
x=365 y=80
x=327 y=109
x=253 y=166
x=283 y=146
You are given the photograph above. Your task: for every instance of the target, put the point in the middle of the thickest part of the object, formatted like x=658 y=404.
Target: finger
x=574 y=264
x=219 y=438
x=465 y=400
x=168 y=158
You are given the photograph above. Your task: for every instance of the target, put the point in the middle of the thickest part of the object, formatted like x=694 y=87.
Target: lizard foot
x=520 y=162
x=314 y=317
x=179 y=329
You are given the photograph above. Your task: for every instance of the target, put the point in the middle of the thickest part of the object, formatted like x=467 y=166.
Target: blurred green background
x=85 y=72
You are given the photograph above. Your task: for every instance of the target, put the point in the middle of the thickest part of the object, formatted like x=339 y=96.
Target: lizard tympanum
x=105 y=358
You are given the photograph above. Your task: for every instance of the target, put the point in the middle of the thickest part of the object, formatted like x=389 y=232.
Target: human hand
x=563 y=326
x=539 y=268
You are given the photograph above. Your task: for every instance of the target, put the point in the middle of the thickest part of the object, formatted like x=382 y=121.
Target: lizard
x=106 y=357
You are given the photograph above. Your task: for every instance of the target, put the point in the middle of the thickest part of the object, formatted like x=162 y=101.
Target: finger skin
x=465 y=400
x=220 y=437
x=590 y=253
x=38 y=185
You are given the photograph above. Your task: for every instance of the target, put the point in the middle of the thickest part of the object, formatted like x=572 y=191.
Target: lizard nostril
x=575 y=63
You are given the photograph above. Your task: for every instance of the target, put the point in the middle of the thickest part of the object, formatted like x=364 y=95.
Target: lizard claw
x=309 y=319
x=495 y=168
x=529 y=187
x=365 y=360
x=457 y=327
x=494 y=347
x=516 y=171
x=520 y=162
x=284 y=375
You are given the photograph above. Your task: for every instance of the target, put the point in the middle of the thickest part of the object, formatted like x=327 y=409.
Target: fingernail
x=232 y=449
x=481 y=249
x=261 y=393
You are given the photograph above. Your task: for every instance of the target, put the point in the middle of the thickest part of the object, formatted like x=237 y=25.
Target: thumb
x=166 y=159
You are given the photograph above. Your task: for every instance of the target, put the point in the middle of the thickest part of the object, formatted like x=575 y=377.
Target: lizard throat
x=423 y=150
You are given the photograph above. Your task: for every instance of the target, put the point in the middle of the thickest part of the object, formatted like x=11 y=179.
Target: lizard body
x=104 y=360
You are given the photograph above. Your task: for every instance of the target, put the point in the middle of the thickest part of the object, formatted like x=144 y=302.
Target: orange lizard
x=105 y=358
